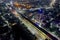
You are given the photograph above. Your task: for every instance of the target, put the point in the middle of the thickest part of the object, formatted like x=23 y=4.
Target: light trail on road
x=34 y=30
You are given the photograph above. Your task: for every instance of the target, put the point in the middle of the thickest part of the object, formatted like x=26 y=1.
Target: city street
x=34 y=30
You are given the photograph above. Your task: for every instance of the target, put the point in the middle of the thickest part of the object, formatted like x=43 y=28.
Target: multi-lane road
x=34 y=30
